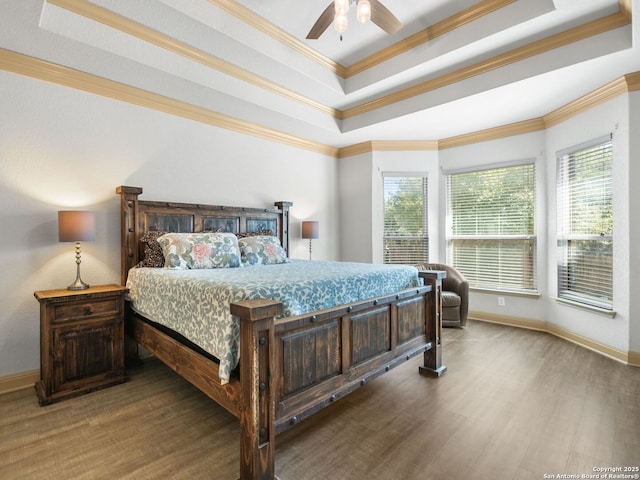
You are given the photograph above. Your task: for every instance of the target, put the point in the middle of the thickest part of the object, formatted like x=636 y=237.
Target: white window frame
x=398 y=257
x=492 y=276
x=592 y=286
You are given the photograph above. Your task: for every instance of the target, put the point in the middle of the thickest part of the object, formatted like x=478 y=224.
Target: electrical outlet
x=501 y=302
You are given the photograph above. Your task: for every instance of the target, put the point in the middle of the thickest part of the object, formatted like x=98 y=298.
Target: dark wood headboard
x=140 y=216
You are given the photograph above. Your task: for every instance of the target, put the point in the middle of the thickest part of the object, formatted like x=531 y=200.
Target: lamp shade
x=76 y=226
x=310 y=229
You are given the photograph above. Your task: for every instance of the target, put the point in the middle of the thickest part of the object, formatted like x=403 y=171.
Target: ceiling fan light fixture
x=341 y=7
x=364 y=11
x=340 y=23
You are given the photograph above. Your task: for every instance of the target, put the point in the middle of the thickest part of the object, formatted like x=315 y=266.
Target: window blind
x=405 y=237
x=585 y=224
x=491 y=228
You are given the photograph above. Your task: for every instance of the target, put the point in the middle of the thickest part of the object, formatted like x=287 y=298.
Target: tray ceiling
x=456 y=66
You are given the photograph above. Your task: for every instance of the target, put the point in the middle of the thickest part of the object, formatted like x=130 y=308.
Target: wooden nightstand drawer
x=79 y=310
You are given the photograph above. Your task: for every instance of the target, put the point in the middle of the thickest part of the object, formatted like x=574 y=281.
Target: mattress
x=195 y=303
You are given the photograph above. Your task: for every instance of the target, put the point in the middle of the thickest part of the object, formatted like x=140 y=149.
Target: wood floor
x=515 y=404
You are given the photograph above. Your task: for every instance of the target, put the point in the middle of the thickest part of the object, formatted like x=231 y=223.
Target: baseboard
x=18 y=381
x=508 y=320
x=628 y=357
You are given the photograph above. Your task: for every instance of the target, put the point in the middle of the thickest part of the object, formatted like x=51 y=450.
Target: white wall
x=63 y=149
x=356 y=208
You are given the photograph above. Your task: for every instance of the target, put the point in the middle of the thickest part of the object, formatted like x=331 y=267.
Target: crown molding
x=388 y=146
x=404 y=145
x=626 y=8
x=355 y=149
x=42 y=70
x=149 y=35
x=517 y=128
x=449 y=24
x=627 y=83
x=633 y=81
x=29 y=66
x=259 y=23
x=438 y=29
x=552 y=42
x=113 y=20
x=582 y=104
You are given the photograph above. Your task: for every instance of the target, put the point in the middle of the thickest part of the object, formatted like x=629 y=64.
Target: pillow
x=261 y=250
x=153 y=256
x=200 y=250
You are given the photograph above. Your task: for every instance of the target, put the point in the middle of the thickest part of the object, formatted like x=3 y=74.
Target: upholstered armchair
x=455 y=295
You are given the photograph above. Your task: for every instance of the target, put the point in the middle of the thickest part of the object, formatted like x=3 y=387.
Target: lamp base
x=78 y=285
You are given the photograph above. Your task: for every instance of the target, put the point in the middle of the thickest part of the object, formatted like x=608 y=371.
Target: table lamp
x=310 y=230
x=76 y=226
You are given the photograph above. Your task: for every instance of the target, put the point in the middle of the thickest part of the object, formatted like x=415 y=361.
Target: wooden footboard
x=293 y=367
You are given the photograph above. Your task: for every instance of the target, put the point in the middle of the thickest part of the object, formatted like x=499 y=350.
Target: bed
x=291 y=364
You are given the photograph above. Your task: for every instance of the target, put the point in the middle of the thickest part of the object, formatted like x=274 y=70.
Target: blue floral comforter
x=195 y=303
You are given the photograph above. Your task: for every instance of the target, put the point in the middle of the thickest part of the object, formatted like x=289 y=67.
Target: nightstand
x=81 y=341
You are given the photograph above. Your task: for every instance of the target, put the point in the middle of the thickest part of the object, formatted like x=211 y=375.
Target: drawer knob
x=87 y=310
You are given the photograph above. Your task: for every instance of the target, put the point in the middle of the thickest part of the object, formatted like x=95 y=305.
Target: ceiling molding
x=388 y=146
x=149 y=35
x=518 y=128
x=633 y=81
x=355 y=149
x=68 y=77
x=403 y=145
x=552 y=42
x=113 y=20
x=46 y=71
x=625 y=8
x=447 y=25
x=625 y=84
x=268 y=28
x=588 y=101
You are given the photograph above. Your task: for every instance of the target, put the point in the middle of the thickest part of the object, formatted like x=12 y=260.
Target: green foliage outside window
x=405 y=220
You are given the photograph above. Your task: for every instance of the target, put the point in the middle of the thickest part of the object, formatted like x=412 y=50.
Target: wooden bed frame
x=290 y=367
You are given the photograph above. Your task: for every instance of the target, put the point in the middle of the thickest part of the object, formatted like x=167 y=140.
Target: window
x=585 y=224
x=490 y=226
x=405 y=237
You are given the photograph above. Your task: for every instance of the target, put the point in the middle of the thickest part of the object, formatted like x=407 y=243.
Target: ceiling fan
x=367 y=10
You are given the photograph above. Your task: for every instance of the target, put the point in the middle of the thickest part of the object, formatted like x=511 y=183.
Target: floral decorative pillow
x=200 y=250
x=261 y=250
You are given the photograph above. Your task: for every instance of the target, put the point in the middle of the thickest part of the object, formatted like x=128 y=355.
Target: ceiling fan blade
x=382 y=17
x=322 y=23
